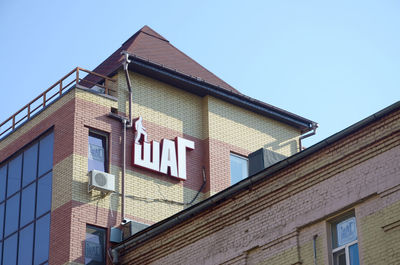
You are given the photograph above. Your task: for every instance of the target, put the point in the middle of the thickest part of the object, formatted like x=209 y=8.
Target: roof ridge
x=151 y=32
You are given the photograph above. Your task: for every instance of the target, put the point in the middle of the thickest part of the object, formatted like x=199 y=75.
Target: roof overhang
x=202 y=88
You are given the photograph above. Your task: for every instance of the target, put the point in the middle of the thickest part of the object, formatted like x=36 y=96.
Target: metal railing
x=73 y=78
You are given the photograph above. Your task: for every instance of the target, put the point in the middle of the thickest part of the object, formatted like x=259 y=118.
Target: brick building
x=337 y=202
x=73 y=174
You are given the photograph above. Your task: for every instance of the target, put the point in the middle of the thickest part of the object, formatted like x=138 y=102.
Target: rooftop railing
x=75 y=78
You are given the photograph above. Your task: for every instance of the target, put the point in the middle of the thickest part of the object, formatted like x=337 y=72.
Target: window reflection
x=1 y=221
x=3 y=175
x=28 y=204
x=97 y=153
x=239 y=168
x=21 y=210
x=30 y=165
x=44 y=194
x=45 y=154
x=95 y=245
x=14 y=175
x=42 y=237
x=10 y=248
x=25 y=245
x=12 y=215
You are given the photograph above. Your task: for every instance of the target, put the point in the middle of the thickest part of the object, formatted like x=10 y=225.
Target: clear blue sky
x=334 y=62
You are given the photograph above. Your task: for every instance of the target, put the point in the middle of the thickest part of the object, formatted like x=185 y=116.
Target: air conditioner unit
x=101 y=181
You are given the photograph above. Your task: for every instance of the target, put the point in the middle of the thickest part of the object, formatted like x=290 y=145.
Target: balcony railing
x=75 y=78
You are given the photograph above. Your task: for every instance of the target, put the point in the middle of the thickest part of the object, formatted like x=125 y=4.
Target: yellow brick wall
x=307 y=251
x=288 y=256
x=248 y=130
x=144 y=194
x=162 y=104
x=62 y=182
x=379 y=246
x=98 y=99
x=206 y=117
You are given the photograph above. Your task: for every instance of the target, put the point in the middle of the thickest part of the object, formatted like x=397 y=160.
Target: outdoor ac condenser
x=101 y=181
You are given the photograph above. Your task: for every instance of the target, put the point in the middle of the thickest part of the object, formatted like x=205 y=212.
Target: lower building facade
x=337 y=202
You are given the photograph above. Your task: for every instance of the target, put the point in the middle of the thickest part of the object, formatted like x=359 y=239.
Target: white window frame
x=346 y=251
x=334 y=222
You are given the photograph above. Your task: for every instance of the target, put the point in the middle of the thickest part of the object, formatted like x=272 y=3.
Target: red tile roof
x=149 y=45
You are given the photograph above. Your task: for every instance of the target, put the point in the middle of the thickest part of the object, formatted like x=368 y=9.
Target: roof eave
x=203 y=88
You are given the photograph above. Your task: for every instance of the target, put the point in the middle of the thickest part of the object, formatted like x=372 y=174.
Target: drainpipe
x=126 y=124
x=315 y=248
x=123 y=172
x=314 y=130
x=128 y=82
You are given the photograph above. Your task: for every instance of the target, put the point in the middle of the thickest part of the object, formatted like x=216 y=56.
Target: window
x=345 y=241
x=239 y=168
x=25 y=204
x=95 y=245
x=98 y=153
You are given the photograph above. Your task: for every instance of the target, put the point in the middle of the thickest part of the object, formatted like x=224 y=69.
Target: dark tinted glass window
x=14 y=175
x=25 y=249
x=46 y=154
x=3 y=175
x=10 y=250
x=12 y=214
x=95 y=245
x=42 y=237
x=1 y=221
x=44 y=194
x=97 y=156
x=30 y=165
x=28 y=204
x=19 y=183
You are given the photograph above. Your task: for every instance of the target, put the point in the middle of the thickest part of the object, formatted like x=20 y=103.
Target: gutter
x=314 y=131
x=202 y=88
x=245 y=184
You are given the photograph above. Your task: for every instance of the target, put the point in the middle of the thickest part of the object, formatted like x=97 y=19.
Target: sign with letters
x=167 y=157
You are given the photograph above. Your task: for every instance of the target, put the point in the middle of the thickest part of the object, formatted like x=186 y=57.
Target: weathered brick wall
x=275 y=221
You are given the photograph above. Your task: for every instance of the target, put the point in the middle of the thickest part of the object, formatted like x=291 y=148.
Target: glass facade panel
x=44 y=195
x=239 y=168
x=3 y=176
x=25 y=249
x=10 y=248
x=12 y=215
x=14 y=175
x=97 y=152
x=20 y=209
x=30 y=165
x=28 y=204
x=95 y=245
x=42 y=237
x=353 y=251
x=46 y=154
x=1 y=221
